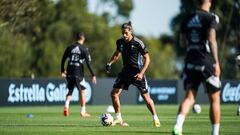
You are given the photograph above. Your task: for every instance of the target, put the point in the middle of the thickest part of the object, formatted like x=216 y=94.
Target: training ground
x=49 y=120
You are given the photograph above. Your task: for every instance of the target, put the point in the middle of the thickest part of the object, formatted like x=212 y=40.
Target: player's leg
x=183 y=110
x=191 y=81
x=150 y=104
x=119 y=84
x=238 y=64
x=238 y=110
x=68 y=99
x=115 y=94
x=213 y=86
x=142 y=87
x=82 y=96
x=70 y=86
x=66 y=105
x=188 y=102
x=81 y=83
x=215 y=112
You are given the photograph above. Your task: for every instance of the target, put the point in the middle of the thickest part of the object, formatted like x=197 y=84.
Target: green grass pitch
x=48 y=120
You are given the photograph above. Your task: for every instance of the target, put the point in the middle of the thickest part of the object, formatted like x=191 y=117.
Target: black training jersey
x=132 y=54
x=195 y=27
x=77 y=55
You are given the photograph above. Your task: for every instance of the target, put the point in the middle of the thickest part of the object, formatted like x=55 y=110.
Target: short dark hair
x=127 y=25
x=199 y=2
x=79 y=35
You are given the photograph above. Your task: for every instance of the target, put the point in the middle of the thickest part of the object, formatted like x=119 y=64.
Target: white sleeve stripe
x=140 y=42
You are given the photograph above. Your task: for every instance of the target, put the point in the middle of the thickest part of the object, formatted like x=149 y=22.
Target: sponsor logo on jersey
x=76 y=50
x=194 y=22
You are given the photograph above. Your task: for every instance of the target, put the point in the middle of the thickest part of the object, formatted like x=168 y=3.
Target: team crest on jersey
x=121 y=47
x=194 y=22
x=133 y=47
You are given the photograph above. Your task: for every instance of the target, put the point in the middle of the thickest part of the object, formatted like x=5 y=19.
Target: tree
x=15 y=54
x=28 y=20
x=43 y=29
x=114 y=11
x=162 y=65
x=57 y=37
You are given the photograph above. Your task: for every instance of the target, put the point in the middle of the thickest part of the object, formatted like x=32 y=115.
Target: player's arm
x=214 y=49
x=182 y=35
x=116 y=55
x=89 y=65
x=64 y=57
x=146 y=62
x=183 y=40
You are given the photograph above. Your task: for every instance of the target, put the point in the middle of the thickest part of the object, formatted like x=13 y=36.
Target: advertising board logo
x=161 y=93
x=18 y=93
x=231 y=93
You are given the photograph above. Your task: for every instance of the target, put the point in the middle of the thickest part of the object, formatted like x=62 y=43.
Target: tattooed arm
x=214 y=49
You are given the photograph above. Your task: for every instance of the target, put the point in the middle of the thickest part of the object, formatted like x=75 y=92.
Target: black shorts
x=195 y=74
x=79 y=82
x=124 y=79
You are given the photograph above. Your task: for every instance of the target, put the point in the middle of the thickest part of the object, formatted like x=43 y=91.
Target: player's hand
x=217 y=70
x=108 y=68
x=64 y=74
x=94 y=80
x=139 y=76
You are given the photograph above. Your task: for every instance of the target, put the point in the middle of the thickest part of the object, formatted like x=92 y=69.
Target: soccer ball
x=196 y=108
x=106 y=119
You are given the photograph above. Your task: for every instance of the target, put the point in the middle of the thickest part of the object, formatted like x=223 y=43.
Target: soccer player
x=77 y=54
x=238 y=110
x=198 y=34
x=238 y=64
x=135 y=62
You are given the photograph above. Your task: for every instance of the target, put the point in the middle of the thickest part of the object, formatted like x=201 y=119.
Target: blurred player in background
x=77 y=54
x=238 y=64
x=198 y=34
x=135 y=62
